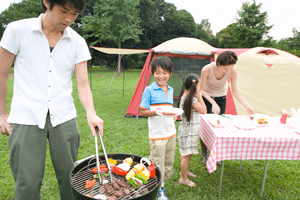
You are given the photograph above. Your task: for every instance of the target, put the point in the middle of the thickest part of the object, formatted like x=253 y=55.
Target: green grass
x=129 y=135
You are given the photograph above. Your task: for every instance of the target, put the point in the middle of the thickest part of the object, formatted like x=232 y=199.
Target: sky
x=283 y=14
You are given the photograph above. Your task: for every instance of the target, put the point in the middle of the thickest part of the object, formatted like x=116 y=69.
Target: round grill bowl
x=152 y=189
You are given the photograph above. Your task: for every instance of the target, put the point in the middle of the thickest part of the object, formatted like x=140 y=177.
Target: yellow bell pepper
x=145 y=173
x=111 y=161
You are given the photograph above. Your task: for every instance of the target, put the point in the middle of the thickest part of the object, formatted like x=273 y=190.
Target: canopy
x=120 y=51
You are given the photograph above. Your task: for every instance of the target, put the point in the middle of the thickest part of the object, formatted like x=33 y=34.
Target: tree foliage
x=249 y=30
x=144 y=24
x=17 y=11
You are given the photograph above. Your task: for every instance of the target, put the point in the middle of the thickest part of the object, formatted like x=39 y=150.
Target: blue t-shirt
x=154 y=97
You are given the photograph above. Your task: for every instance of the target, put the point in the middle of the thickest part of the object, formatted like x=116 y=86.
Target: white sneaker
x=162 y=194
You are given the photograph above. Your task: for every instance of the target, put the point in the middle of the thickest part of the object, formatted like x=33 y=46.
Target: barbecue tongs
x=97 y=157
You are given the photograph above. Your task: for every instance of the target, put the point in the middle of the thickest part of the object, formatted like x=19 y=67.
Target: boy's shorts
x=162 y=153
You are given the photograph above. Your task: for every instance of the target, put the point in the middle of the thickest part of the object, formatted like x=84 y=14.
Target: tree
x=250 y=28
x=18 y=11
x=113 y=20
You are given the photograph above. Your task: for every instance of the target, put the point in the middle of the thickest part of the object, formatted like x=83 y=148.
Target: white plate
x=244 y=125
x=259 y=116
x=297 y=130
x=217 y=122
x=175 y=111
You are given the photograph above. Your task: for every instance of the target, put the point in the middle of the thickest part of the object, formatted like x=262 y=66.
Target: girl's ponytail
x=190 y=83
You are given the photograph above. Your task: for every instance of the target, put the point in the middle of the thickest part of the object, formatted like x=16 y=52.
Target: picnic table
x=230 y=141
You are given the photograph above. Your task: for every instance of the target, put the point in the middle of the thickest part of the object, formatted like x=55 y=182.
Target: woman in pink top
x=214 y=77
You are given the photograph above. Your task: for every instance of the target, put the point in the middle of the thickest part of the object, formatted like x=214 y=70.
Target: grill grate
x=78 y=181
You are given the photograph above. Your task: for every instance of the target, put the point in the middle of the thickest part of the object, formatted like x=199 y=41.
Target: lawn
x=129 y=135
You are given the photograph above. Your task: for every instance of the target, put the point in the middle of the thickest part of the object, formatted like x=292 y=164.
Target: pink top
x=215 y=87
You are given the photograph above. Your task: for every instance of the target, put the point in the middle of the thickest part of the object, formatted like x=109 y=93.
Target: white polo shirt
x=42 y=80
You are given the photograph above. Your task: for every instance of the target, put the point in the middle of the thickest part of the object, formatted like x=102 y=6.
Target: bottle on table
x=283 y=117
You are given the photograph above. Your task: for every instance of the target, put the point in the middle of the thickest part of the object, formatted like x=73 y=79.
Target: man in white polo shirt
x=46 y=53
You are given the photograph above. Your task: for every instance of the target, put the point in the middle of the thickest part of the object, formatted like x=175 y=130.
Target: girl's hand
x=250 y=110
x=215 y=109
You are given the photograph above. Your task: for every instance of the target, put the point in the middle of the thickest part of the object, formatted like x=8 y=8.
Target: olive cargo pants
x=28 y=145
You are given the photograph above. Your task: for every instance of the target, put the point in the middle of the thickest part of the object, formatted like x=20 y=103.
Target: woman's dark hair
x=77 y=4
x=189 y=83
x=226 y=58
x=162 y=61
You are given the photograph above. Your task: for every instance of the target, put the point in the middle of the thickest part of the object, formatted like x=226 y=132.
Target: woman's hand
x=215 y=108
x=250 y=110
x=5 y=127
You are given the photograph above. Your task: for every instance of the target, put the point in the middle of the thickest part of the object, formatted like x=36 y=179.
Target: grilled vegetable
x=133 y=183
x=138 y=176
x=119 y=171
x=102 y=169
x=138 y=181
x=145 y=173
x=152 y=171
x=128 y=160
x=130 y=174
x=124 y=166
x=96 y=176
x=89 y=184
x=111 y=161
x=138 y=167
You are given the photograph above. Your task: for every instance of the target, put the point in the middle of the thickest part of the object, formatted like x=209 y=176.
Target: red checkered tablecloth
x=274 y=141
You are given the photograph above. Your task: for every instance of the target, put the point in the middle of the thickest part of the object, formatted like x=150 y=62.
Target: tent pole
x=113 y=78
x=90 y=69
x=123 y=74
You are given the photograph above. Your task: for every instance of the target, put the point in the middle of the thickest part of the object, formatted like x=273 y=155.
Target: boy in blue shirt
x=161 y=129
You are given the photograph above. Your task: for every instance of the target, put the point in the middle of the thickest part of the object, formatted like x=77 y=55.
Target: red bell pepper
x=101 y=167
x=119 y=171
x=151 y=169
x=89 y=184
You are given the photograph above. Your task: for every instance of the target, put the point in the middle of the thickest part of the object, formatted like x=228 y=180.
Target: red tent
x=188 y=55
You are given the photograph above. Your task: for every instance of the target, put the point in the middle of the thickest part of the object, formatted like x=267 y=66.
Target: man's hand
x=5 y=127
x=95 y=121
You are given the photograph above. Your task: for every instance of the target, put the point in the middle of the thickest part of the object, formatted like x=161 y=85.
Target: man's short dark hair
x=77 y=4
x=162 y=61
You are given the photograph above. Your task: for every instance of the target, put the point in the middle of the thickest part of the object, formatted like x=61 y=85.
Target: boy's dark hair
x=226 y=58
x=77 y=4
x=189 y=83
x=162 y=61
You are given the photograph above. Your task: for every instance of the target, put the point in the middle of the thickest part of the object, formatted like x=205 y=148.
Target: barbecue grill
x=82 y=172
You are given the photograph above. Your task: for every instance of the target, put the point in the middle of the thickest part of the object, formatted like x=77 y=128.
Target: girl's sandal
x=187 y=182
x=190 y=174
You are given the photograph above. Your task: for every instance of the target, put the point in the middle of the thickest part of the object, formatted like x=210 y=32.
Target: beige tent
x=184 y=45
x=269 y=80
